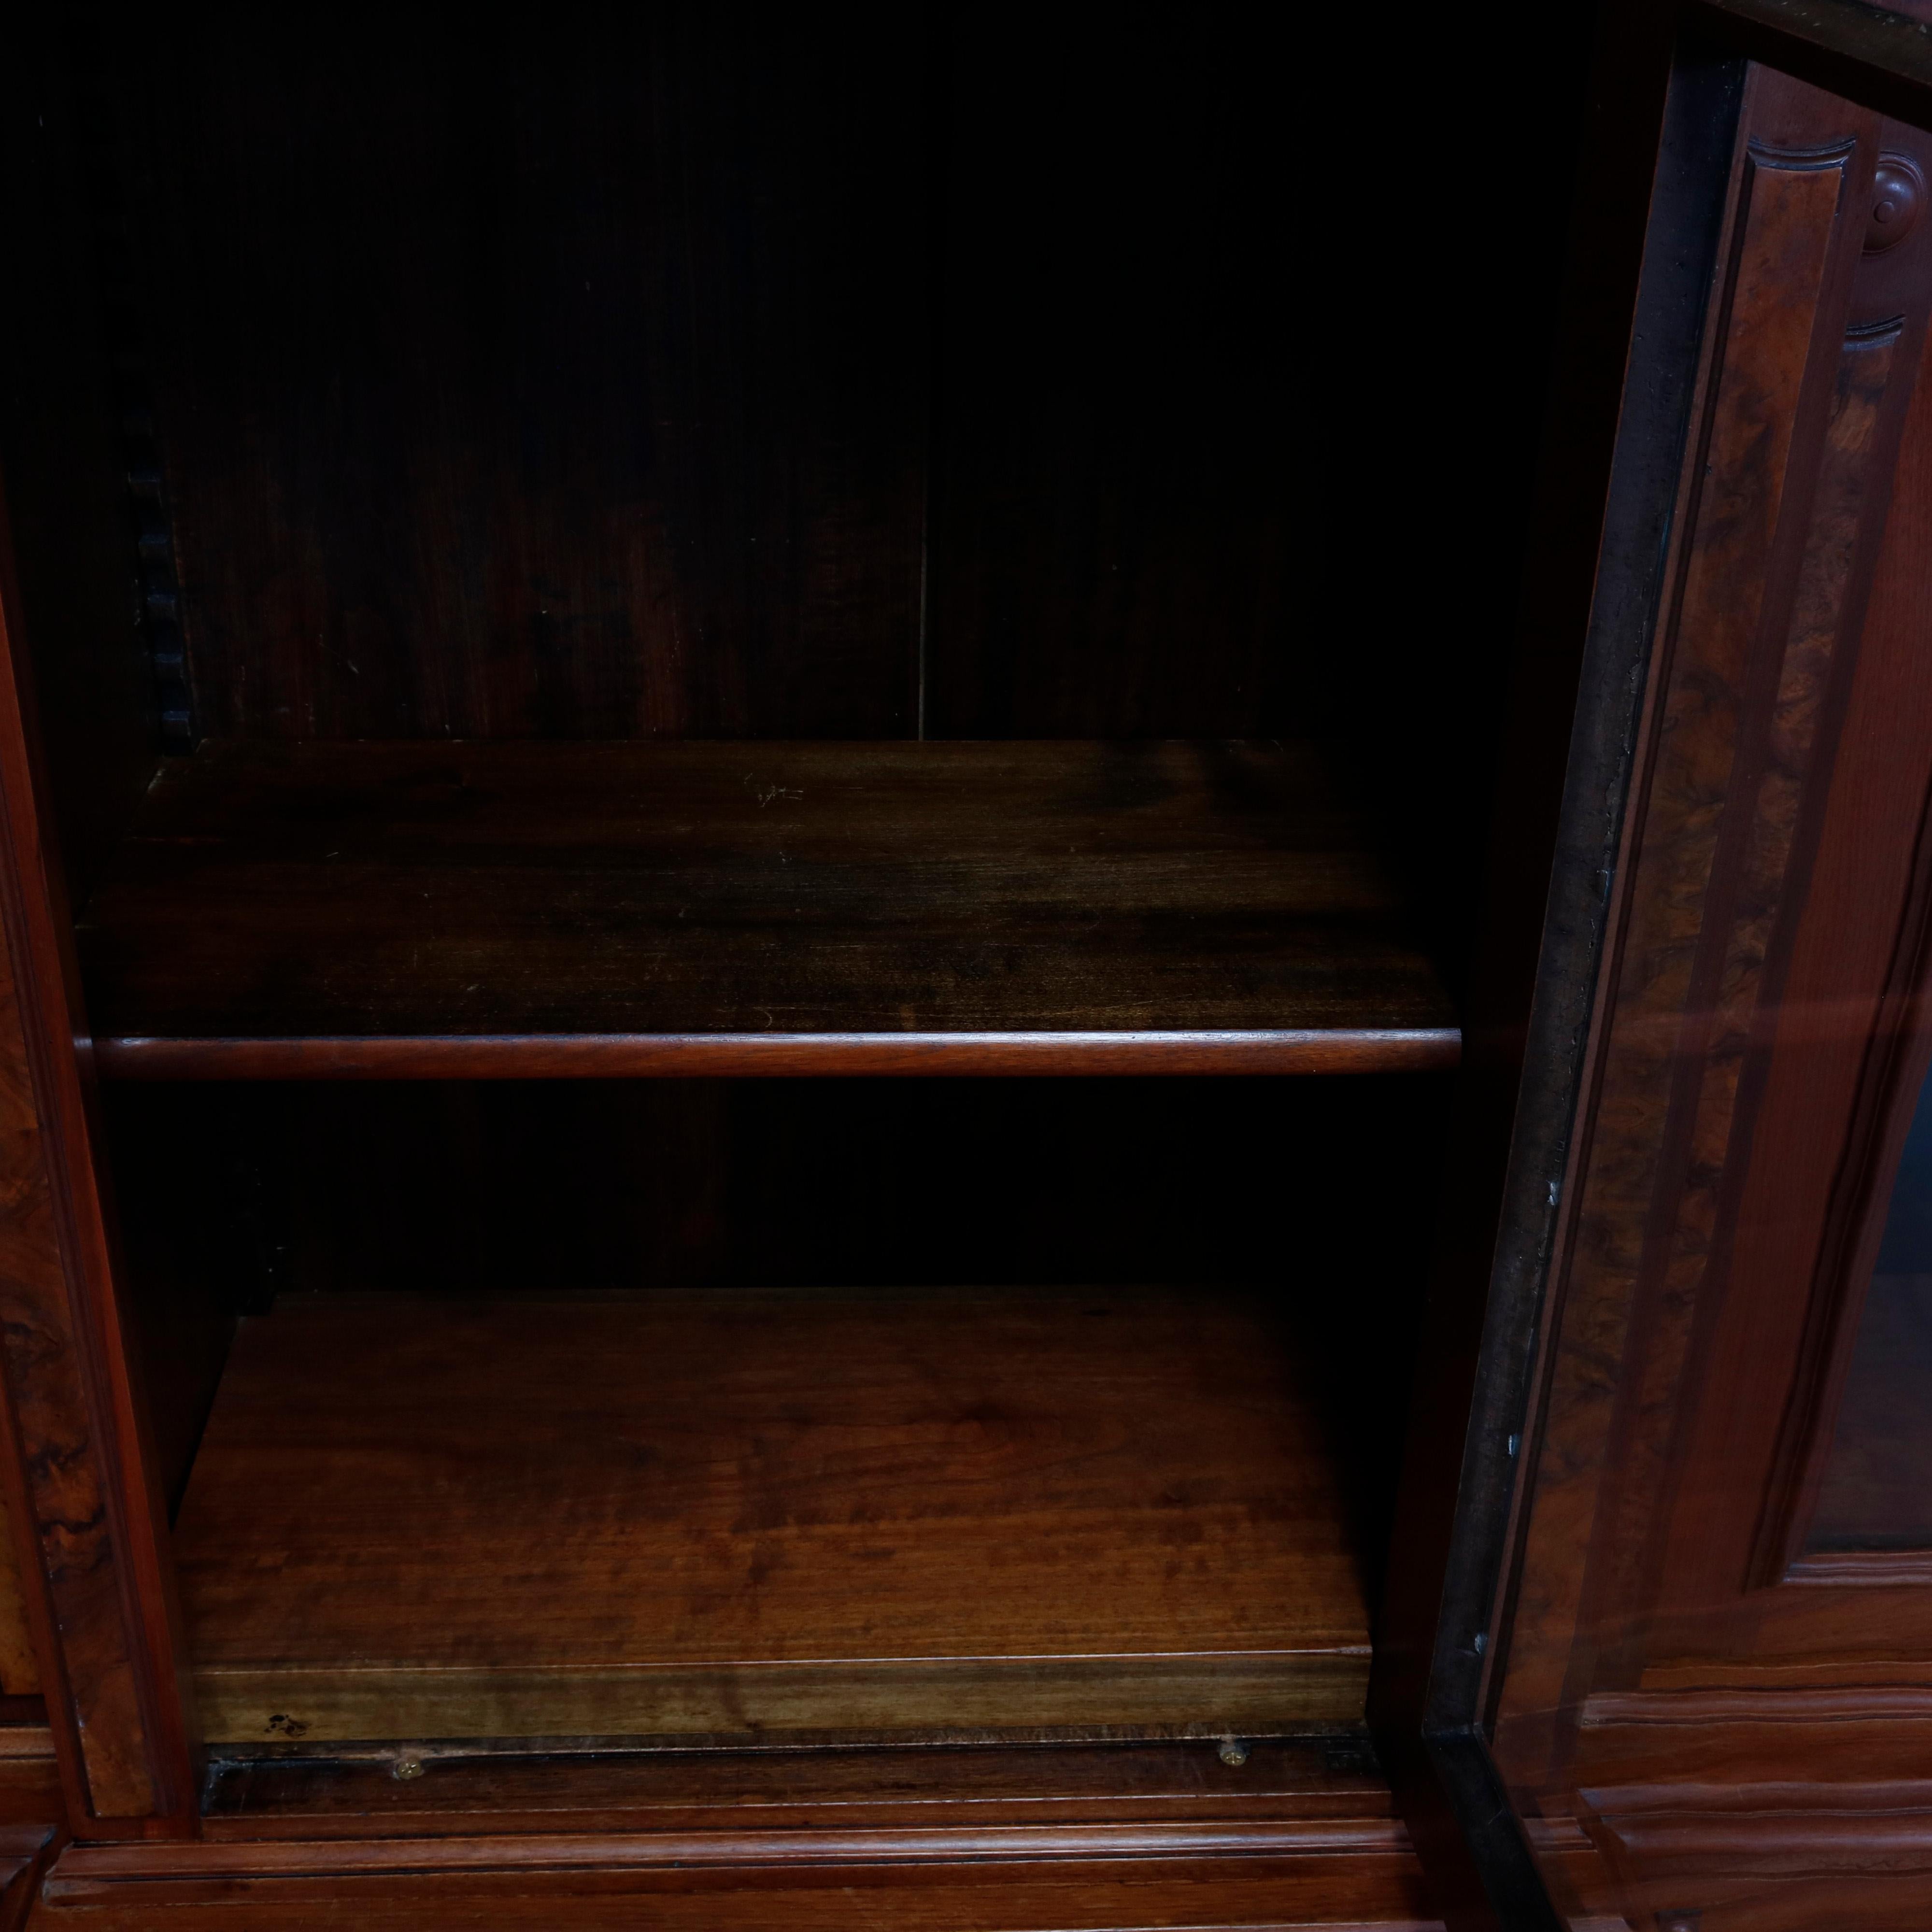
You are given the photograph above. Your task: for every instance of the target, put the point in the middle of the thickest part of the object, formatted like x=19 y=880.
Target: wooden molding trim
x=1904 y=1796
x=813 y=1785
x=1737 y=745
x=1781 y=1844
x=26 y=1851
x=791 y=1055
x=85 y=1500
x=94 y=1871
x=1871 y=1569
x=1262 y=1691
x=1903 y=1703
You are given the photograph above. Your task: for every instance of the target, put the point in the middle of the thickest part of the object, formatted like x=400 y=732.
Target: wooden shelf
x=681 y=1514
x=511 y=908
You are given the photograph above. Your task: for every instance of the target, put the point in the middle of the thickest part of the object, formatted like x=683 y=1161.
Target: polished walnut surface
x=293 y=908
x=748 y=1511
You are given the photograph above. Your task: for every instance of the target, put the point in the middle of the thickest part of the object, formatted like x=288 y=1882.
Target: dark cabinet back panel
x=1123 y=463
x=717 y=372
x=557 y=382
x=512 y=1187
x=71 y=528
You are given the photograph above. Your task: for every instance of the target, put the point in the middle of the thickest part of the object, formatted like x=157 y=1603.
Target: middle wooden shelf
x=467 y=910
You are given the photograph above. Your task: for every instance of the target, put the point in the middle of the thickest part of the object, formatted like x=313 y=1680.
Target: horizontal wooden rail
x=636 y=1056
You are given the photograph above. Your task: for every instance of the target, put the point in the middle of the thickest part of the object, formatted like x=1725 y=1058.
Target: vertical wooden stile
x=86 y=1502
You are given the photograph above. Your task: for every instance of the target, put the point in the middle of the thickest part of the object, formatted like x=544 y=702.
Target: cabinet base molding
x=1776 y=1871
x=1002 y=1879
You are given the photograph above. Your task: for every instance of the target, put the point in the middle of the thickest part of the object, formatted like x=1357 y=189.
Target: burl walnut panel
x=1726 y=1055
x=1740 y=662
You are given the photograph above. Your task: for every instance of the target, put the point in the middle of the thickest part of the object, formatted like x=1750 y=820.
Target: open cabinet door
x=1670 y=1664
x=1706 y=1677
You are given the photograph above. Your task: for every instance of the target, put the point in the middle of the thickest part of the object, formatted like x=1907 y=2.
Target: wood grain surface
x=1099 y=566
x=19 y=1668
x=250 y=1794
x=726 y=1513
x=33 y=1809
x=1284 y=1825
x=582 y=393
x=1356 y=1886
x=1738 y=664
x=62 y=453
x=96 y=1586
x=783 y=1055
x=1726 y=1741
x=1215 y=900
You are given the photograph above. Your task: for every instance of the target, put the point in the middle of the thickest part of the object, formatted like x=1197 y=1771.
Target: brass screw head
x=1233 y=1751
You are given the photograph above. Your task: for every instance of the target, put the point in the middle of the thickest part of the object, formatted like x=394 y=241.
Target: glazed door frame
x=1581 y=1421
x=1736 y=1016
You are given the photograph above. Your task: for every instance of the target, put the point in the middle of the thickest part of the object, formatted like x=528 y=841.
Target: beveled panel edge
x=1232 y=1693
x=1870 y=1569
x=798 y=1055
x=96 y=1870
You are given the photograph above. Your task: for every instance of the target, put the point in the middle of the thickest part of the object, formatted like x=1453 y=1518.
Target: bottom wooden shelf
x=726 y=1512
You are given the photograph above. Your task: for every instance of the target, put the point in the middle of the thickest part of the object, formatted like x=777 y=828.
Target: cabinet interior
x=714 y=1410
x=580 y=550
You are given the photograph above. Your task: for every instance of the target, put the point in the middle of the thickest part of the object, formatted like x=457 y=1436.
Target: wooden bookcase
x=830 y=1091
x=735 y=996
